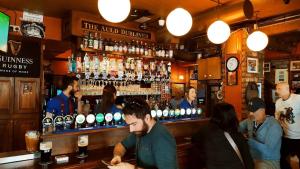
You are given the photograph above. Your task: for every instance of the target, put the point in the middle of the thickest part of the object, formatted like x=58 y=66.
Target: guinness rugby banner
x=22 y=59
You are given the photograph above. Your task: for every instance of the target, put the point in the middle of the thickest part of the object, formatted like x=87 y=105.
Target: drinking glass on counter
x=32 y=138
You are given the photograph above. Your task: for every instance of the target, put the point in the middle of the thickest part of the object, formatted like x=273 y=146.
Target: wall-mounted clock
x=232 y=63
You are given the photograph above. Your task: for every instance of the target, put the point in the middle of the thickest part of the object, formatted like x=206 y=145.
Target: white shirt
x=291 y=130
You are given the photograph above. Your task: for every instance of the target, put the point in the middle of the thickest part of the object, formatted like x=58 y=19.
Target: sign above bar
x=21 y=60
x=114 y=30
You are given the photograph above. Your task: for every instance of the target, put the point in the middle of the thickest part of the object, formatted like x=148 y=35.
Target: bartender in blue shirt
x=63 y=104
x=108 y=100
x=190 y=97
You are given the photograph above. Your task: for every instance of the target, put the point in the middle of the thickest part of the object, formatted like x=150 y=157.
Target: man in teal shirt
x=155 y=147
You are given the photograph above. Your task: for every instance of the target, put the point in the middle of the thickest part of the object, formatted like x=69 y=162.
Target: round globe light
x=218 y=32
x=114 y=10
x=179 y=22
x=257 y=41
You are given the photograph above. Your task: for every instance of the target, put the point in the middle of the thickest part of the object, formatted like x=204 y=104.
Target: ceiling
x=203 y=9
x=57 y=8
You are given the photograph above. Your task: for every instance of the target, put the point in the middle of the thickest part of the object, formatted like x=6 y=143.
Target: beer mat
x=106 y=163
x=82 y=156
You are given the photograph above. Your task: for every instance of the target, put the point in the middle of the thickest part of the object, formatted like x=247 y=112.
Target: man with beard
x=63 y=104
x=155 y=147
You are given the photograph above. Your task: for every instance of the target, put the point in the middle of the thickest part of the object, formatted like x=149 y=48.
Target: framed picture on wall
x=232 y=78
x=178 y=89
x=252 y=65
x=295 y=65
x=267 y=67
x=281 y=75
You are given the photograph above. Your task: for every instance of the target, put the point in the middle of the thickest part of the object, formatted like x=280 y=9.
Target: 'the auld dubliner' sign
x=114 y=30
x=21 y=60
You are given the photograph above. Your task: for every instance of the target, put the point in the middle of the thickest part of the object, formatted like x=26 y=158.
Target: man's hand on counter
x=116 y=160
x=122 y=165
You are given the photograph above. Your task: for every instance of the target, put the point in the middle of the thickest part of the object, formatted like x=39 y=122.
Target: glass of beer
x=46 y=149
x=83 y=142
x=32 y=140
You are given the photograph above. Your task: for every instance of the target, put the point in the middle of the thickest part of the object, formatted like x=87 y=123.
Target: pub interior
x=227 y=50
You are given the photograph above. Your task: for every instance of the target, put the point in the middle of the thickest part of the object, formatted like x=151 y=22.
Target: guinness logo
x=15 y=47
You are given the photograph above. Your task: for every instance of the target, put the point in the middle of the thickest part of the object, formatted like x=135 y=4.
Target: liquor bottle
x=133 y=47
x=146 y=51
x=91 y=40
x=96 y=42
x=129 y=48
x=85 y=40
x=116 y=46
x=105 y=45
x=171 y=52
x=86 y=65
x=142 y=49
x=166 y=52
x=73 y=61
x=125 y=47
x=96 y=67
x=162 y=52
x=120 y=47
x=137 y=48
x=153 y=50
x=111 y=45
x=100 y=47
x=69 y=64
x=78 y=64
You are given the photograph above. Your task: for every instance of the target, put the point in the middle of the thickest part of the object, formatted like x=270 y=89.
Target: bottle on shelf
x=91 y=40
x=96 y=42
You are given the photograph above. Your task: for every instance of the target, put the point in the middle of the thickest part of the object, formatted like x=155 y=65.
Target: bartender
x=64 y=104
x=190 y=97
x=108 y=100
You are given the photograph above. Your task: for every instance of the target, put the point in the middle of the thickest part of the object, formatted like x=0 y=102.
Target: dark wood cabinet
x=27 y=92
x=6 y=95
x=209 y=69
x=6 y=127
x=19 y=110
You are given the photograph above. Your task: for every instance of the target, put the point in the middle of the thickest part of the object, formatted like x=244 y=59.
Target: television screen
x=4 y=27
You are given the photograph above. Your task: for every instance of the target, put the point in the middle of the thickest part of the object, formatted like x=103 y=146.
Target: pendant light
x=179 y=22
x=219 y=31
x=114 y=10
x=257 y=40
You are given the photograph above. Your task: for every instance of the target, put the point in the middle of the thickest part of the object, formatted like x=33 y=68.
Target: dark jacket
x=211 y=150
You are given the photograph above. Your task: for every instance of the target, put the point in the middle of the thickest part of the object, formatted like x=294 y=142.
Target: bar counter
x=101 y=144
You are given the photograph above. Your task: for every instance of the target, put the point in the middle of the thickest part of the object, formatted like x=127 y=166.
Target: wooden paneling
x=201 y=69
x=213 y=68
x=6 y=95
x=209 y=68
x=6 y=135
x=27 y=92
x=20 y=127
